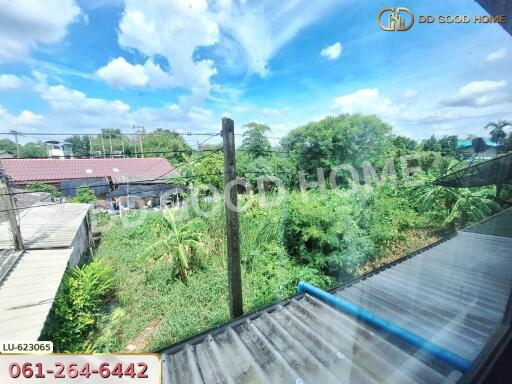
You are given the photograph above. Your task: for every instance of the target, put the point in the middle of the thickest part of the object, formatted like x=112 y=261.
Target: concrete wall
x=80 y=243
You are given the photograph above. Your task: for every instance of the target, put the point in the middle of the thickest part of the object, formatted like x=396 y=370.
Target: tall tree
x=8 y=146
x=166 y=143
x=79 y=145
x=448 y=146
x=338 y=140
x=254 y=139
x=498 y=134
x=34 y=150
x=431 y=144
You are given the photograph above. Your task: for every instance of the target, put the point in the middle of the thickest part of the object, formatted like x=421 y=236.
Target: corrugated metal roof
x=48 y=226
x=453 y=293
x=28 y=289
x=27 y=293
x=26 y=170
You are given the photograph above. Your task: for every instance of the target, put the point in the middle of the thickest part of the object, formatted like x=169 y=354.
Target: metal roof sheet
x=26 y=170
x=47 y=226
x=453 y=293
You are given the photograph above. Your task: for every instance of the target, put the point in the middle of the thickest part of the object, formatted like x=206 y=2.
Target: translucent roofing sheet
x=494 y=171
x=453 y=293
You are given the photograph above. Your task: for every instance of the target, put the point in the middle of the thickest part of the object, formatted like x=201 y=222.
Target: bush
x=40 y=187
x=82 y=292
x=323 y=231
x=83 y=195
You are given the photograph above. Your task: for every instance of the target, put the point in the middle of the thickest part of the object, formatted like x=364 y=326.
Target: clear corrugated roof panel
x=453 y=294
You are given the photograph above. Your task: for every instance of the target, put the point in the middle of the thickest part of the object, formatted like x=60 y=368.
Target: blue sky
x=79 y=66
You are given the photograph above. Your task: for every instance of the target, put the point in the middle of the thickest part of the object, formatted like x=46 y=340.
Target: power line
x=114 y=134
x=143 y=182
x=89 y=157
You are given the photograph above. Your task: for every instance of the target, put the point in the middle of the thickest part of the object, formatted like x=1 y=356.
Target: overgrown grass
x=148 y=290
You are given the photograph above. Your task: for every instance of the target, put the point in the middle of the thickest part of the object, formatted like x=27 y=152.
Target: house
x=487 y=154
x=54 y=171
x=56 y=150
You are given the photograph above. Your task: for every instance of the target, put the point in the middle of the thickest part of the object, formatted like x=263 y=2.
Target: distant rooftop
x=52 y=170
x=468 y=143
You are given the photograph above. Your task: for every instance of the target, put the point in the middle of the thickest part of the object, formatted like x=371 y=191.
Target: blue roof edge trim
x=199 y=337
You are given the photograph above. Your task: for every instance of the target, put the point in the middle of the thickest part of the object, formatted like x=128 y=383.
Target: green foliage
x=79 y=145
x=204 y=168
x=498 y=134
x=339 y=231
x=164 y=140
x=449 y=146
x=8 y=146
x=337 y=140
x=82 y=292
x=431 y=145
x=181 y=245
x=83 y=194
x=403 y=143
x=33 y=150
x=40 y=187
x=254 y=139
x=457 y=207
x=251 y=169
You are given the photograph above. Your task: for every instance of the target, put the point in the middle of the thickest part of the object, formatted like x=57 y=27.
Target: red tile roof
x=25 y=170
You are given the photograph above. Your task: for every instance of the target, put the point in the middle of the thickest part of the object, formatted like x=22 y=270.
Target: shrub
x=82 y=292
x=323 y=231
x=40 y=187
x=83 y=195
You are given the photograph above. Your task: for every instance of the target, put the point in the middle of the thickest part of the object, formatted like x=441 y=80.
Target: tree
x=498 y=134
x=334 y=141
x=431 y=144
x=202 y=168
x=83 y=195
x=403 y=143
x=171 y=145
x=183 y=243
x=8 y=146
x=79 y=145
x=254 y=139
x=34 y=150
x=448 y=145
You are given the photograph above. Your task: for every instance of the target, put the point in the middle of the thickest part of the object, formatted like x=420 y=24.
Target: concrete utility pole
x=90 y=147
x=139 y=129
x=9 y=207
x=16 y=133
x=232 y=223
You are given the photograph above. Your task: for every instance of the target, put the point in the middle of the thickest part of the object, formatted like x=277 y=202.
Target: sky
x=69 y=66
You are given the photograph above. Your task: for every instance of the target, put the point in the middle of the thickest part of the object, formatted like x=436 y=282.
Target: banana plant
x=183 y=243
x=460 y=206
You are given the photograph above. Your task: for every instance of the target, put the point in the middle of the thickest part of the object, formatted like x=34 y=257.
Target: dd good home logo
x=395 y=19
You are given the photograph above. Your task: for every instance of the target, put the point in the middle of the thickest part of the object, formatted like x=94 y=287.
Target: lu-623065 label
x=67 y=368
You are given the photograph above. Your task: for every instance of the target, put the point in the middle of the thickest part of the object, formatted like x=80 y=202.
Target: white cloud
x=70 y=109
x=496 y=55
x=245 y=34
x=366 y=101
x=25 y=24
x=332 y=52
x=25 y=120
x=120 y=73
x=173 y=30
x=9 y=82
x=410 y=93
x=479 y=94
x=275 y=111
x=260 y=28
